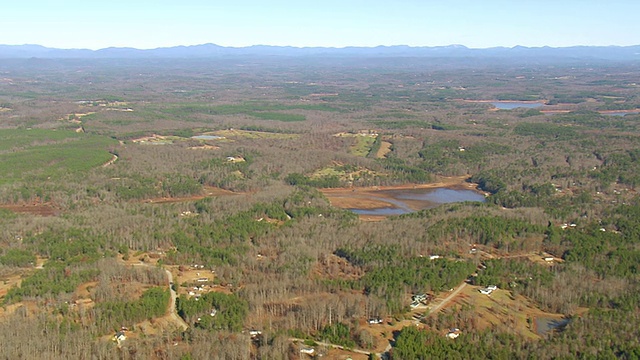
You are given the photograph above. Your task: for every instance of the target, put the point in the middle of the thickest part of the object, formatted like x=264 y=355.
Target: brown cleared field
x=34 y=209
x=385 y=148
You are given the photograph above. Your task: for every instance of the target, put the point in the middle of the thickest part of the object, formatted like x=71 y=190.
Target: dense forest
x=206 y=209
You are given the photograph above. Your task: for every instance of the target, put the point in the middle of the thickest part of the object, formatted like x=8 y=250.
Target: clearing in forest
x=385 y=148
x=503 y=310
x=209 y=191
x=247 y=134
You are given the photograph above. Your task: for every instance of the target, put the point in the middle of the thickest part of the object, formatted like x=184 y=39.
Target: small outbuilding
x=453 y=333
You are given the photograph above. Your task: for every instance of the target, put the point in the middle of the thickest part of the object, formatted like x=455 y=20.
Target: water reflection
x=409 y=200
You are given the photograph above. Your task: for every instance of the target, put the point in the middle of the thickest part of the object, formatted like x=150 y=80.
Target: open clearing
x=209 y=191
x=247 y=134
x=385 y=148
x=502 y=310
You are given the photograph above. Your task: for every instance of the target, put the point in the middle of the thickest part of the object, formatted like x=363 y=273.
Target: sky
x=147 y=24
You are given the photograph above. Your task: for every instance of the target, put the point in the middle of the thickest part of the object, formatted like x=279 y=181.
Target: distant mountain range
x=618 y=53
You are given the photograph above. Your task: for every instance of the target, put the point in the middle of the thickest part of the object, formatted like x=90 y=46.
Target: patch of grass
x=250 y=134
x=260 y=110
x=362 y=145
x=328 y=171
x=277 y=116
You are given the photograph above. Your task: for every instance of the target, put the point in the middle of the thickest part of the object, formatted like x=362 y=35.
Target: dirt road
x=448 y=299
x=172 y=306
x=329 y=345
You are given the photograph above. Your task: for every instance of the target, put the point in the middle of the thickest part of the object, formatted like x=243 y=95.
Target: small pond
x=544 y=325
x=509 y=105
x=206 y=137
x=617 y=113
x=405 y=201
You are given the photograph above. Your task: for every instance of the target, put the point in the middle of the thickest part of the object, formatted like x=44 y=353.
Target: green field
x=259 y=110
x=362 y=145
x=40 y=154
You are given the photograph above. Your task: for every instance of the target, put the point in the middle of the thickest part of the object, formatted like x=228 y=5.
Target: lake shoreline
x=384 y=198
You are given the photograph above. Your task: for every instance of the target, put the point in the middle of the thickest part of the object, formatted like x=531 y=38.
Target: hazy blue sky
x=338 y=23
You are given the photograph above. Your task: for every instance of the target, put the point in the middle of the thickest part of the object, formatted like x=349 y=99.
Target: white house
x=119 y=337
x=488 y=290
x=308 y=351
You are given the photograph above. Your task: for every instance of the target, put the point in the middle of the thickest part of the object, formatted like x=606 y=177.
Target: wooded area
x=114 y=173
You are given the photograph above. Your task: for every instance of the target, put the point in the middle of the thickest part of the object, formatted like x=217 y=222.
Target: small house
x=488 y=290
x=307 y=350
x=419 y=297
x=119 y=337
x=453 y=333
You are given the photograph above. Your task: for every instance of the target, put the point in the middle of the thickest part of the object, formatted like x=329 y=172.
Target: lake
x=510 y=105
x=403 y=201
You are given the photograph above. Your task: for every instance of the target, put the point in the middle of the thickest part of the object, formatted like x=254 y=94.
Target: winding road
x=172 y=305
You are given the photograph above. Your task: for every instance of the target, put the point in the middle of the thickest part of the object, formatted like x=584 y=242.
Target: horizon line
x=319 y=47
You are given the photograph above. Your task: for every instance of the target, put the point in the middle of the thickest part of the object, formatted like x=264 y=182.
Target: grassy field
x=246 y=134
x=362 y=145
x=49 y=153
